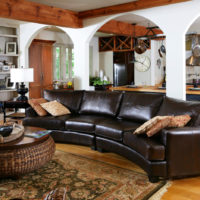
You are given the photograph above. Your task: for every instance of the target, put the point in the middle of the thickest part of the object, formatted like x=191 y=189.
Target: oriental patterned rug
x=82 y=178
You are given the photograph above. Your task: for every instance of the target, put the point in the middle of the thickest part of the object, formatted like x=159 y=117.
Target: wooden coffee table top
x=24 y=141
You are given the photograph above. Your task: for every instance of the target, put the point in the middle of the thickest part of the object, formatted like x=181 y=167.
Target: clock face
x=142 y=63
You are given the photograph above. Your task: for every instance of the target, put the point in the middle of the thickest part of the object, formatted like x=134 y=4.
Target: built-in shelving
x=8 y=34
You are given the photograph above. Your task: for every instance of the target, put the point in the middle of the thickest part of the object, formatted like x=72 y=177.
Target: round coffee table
x=25 y=155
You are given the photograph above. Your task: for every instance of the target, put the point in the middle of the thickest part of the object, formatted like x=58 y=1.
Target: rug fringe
x=160 y=193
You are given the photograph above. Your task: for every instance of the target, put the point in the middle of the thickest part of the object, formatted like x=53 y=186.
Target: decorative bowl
x=5 y=131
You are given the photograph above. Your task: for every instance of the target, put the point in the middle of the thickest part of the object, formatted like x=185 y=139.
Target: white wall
x=157 y=72
x=143 y=78
x=94 y=56
x=106 y=64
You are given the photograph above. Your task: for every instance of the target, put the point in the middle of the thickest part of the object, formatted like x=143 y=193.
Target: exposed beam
x=34 y=12
x=123 y=28
x=126 y=7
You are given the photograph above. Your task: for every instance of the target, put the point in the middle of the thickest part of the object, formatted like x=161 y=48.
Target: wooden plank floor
x=184 y=189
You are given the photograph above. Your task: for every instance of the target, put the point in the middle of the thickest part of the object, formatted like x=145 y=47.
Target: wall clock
x=142 y=63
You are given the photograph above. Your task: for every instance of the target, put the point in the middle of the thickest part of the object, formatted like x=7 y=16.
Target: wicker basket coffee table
x=25 y=155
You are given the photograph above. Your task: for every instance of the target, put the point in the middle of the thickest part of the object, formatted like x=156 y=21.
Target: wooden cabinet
x=41 y=59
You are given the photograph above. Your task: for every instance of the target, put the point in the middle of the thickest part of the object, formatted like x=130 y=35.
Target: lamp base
x=22 y=91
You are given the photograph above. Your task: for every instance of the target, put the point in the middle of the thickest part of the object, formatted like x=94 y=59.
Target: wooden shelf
x=3 y=54
x=5 y=72
x=10 y=36
x=119 y=43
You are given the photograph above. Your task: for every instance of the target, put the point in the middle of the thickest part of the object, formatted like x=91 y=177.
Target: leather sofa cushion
x=83 y=123
x=101 y=102
x=148 y=147
x=47 y=122
x=140 y=107
x=171 y=106
x=70 y=99
x=114 y=129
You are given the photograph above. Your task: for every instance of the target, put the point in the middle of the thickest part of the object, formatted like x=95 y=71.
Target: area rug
x=83 y=179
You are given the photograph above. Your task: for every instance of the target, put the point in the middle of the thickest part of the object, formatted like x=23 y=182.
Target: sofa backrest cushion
x=70 y=99
x=171 y=106
x=140 y=107
x=101 y=102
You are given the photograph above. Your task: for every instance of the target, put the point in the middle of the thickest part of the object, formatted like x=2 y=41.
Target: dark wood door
x=41 y=59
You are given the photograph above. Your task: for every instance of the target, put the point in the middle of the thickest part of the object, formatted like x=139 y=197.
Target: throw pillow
x=147 y=125
x=179 y=121
x=35 y=104
x=162 y=123
x=55 y=108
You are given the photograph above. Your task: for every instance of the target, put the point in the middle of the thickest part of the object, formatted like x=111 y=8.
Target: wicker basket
x=18 y=161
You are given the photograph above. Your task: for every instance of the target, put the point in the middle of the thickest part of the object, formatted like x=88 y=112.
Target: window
x=63 y=62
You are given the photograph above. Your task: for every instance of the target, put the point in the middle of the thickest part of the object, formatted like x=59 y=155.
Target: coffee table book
x=38 y=134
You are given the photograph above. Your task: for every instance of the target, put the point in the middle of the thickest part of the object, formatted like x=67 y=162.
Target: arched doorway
x=193 y=60
x=112 y=41
x=50 y=52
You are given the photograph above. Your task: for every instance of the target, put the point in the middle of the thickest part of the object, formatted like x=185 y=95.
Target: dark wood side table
x=16 y=105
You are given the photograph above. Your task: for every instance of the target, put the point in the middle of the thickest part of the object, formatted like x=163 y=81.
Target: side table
x=16 y=105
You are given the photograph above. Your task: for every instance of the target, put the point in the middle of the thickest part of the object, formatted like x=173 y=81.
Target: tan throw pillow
x=162 y=123
x=147 y=125
x=179 y=121
x=35 y=104
x=55 y=108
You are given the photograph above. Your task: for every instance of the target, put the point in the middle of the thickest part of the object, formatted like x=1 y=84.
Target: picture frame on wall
x=11 y=48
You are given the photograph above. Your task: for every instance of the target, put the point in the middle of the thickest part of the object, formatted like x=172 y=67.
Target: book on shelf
x=38 y=134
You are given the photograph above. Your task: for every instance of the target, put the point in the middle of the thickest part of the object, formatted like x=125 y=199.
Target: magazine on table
x=38 y=134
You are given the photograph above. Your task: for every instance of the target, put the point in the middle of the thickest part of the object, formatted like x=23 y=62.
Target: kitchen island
x=191 y=94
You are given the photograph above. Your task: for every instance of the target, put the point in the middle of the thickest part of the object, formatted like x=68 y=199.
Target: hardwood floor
x=184 y=189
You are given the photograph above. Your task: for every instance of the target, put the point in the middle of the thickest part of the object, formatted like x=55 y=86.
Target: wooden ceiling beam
x=123 y=28
x=34 y=12
x=126 y=7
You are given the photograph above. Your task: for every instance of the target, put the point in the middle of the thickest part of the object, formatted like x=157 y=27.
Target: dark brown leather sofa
x=105 y=121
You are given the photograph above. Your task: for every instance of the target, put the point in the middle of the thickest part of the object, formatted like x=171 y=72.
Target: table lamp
x=21 y=75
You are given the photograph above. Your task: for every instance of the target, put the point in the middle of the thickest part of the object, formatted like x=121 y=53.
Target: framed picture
x=11 y=48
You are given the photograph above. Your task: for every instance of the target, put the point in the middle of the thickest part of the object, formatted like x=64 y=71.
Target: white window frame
x=62 y=69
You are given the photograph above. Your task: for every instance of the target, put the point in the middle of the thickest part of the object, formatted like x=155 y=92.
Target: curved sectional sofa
x=105 y=121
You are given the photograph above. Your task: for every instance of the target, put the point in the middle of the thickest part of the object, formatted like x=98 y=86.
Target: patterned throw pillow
x=35 y=104
x=162 y=123
x=55 y=108
x=147 y=125
x=179 y=121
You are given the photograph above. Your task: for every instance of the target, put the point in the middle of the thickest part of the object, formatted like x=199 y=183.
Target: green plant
x=93 y=79
x=99 y=82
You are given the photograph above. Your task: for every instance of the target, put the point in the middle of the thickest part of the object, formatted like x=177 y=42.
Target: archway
x=57 y=47
x=153 y=75
x=192 y=40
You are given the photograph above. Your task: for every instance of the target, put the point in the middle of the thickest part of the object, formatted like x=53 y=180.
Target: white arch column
x=27 y=32
x=81 y=62
x=81 y=38
x=175 y=65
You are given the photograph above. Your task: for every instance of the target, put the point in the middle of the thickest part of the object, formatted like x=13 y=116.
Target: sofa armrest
x=30 y=112
x=183 y=151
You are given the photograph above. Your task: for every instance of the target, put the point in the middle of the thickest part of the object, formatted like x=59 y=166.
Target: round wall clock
x=142 y=63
